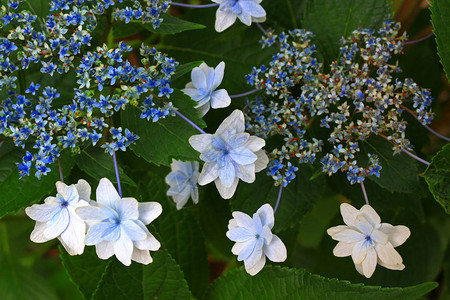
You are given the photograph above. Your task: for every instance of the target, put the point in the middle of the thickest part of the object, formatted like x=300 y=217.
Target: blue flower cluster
x=356 y=99
x=149 y=12
x=36 y=117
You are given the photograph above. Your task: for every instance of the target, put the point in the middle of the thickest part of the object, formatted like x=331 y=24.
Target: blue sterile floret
x=347 y=101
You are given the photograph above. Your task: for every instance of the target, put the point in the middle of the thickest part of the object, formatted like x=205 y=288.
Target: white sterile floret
x=117 y=226
x=368 y=240
x=254 y=239
x=229 y=155
x=202 y=88
x=56 y=218
x=247 y=11
x=183 y=182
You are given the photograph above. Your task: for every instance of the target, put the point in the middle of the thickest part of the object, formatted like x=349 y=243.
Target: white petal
x=398 y=267
x=265 y=213
x=141 y=256
x=245 y=18
x=95 y=213
x=359 y=252
x=255 y=143
x=150 y=243
x=149 y=211
x=261 y=161
x=246 y=173
x=84 y=190
x=203 y=108
x=239 y=246
x=127 y=208
x=226 y=192
x=220 y=99
x=371 y=215
x=349 y=214
x=257 y=267
x=194 y=194
x=258 y=20
x=243 y=220
x=388 y=255
x=106 y=193
x=333 y=230
x=191 y=92
x=37 y=235
x=201 y=142
x=58 y=224
x=105 y=249
x=397 y=234
x=61 y=188
x=370 y=263
x=224 y=20
x=379 y=237
x=218 y=76
x=209 y=173
x=182 y=198
x=233 y=124
x=348 y=236
x=123 y=248
x=73 y=237
x=276 y=250
x=227 y=173
x=343 y=249
x=43 y=212
x=198 y=78
x=253 y=9
x=363 y=225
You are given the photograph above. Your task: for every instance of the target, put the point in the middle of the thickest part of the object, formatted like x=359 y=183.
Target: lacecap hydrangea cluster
x=37 y=117
x=357 y=98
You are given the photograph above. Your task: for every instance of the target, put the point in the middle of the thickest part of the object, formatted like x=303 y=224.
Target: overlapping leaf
x=440 y=10
x=437 y=176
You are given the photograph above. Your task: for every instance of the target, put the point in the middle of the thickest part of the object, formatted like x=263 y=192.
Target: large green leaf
x=98 y=164
x=17 y=193
x=297 y=198
x=172 y=25
x=330 y=20
x=186 y=68
x=181 y=233
x=284 y=283
x=161 y=141
x=440 y=10
x=85 y=270
x=437 y=177
x=399 y=172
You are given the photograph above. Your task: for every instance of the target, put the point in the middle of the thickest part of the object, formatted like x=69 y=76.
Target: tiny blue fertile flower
x=183 y=182
x=247 y=11
x=56 y=218
x=117 y=225
x=254 y=239
x=229 y=155
x=203 y=86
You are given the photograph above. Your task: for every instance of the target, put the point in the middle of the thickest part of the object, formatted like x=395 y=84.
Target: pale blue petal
x=224 y=20
x=238 y=140
x=149 y=211
x=57 y=224
x=240 y=234
x=198 y=78
x=177 y=189
x=97 y=232
x=43 y=212
x=220 y=99
x=253 y=9
x=71 y=194
x=96 y=213
x=176 y=178
x=128 y=209
x=210 y=155
x=123 y=248
x=265 y=212
x=258 y=225
x=246 y=172
x=363 y=225
x=209 y=173
x=247 y=251
x=243 y=156
x=244 y=220
x=218 y=143
x=218 y=76
x=201 y=142
x=256 y=254
x=106 y=193
x=233 y=124
x=227 y=172
x=210 y=80
x=276 y=250
x=134 y=232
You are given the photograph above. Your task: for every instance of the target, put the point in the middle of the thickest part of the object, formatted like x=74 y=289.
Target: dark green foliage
x=440 y=10
x=437 y=176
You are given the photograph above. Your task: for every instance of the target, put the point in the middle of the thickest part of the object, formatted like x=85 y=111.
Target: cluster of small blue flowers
x=149 y=12
x=346 y=100
x=30 y=113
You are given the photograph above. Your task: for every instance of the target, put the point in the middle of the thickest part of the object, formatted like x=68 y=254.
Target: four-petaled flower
x=117 y=225
x=230 y=154
x=183 y=182
x=368 y=240
x=57 y=217
x=254 y=239
x=202 y=87
x=247 y=11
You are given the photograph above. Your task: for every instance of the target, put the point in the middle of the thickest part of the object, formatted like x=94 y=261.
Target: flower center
x=257 y=236
x=65 y=203
x=369 y=240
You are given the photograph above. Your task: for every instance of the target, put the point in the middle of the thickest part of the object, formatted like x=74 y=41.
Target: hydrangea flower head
x=229 y=155
x=202 y=88
x=56 y=218
x=368 y=240
x=183 y=182
x=254 y=239
x=247 y=11
x=117 y=225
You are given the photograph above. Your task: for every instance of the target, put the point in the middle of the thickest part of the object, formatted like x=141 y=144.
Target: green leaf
x=85 y=270
x=283 y=283
x=297 y=198
x=17 y=193
x=180 y=232
x=186 y=68
x=123 y=30
x=17 y=282
x=98 y=164
x=161 y=279
x=440 y=10
x=332 y=20
x=437 y=176
x=172 y=25
x=399 y=172
x=161 y=141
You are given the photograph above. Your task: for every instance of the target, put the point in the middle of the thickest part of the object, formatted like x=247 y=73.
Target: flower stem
x=416 y=157
x=261 y=28
x=364 y=193
x=116 y=168
x=61 y=177
x=278 y=199
x=195 y=6
x=245 y=94
x=419 y=40
x=189 y=121
x=428 y=128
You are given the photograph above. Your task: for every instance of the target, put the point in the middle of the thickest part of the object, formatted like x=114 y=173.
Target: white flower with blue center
x=255 y=240
x=56 y=218
x=202 y=88
x=183 y=182
x=247 y=11
x=117 y=225
x=368 y=240
x=229 y=155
